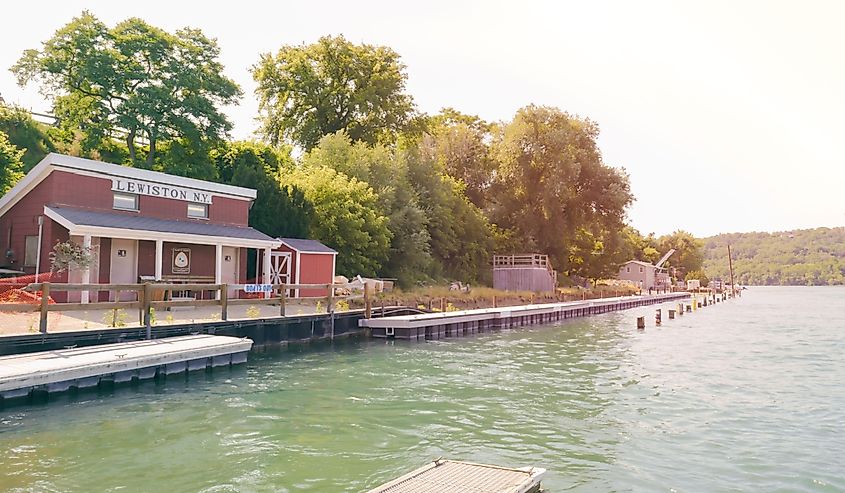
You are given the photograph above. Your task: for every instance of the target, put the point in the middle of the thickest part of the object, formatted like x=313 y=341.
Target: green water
x=748 y=395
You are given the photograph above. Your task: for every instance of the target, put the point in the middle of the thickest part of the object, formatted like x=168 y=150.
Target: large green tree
x=133 y=80
x=11 y=164
x=689 y=252
x=555 y=192
x=461 y=236
x=308 y=91
x=27 y=134
x=347 y=217
x=462 y=149
x=409 y=257
x=278 y=210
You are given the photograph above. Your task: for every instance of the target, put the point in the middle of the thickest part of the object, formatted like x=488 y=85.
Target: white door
x=230 y=269
x=280 y=268
x=124 y=266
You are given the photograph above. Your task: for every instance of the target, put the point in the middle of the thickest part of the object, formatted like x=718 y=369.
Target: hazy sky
x=728 y=115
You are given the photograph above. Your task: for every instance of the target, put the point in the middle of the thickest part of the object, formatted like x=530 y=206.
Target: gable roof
x=639 y=262
x=307 y=246
x=54 y=161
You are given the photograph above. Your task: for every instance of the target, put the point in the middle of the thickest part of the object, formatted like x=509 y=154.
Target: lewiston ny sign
x=159 y=190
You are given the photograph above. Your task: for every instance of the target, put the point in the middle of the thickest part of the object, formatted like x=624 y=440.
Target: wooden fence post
x=45 y=298
x=224 y=301
x=330 y=299
x=283 y=296
x=368 y=303
x=148 y=321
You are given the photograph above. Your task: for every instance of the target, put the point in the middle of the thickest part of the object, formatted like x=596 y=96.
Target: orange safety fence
x=12 y=291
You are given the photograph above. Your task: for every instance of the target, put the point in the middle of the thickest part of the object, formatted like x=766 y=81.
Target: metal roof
x=308 y=246
x=101 y=219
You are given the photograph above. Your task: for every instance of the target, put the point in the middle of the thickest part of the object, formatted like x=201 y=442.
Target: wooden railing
x=525 y=260
x=145 y=303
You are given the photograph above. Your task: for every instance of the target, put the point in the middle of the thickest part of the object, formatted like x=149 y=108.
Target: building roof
x=54 y=161
x=308 y=246
x=117 y=225
x=639 y=262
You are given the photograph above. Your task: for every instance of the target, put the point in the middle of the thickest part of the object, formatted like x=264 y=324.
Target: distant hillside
x=809 y=257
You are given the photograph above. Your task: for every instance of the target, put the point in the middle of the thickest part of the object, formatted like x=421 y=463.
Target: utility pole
x=731 y=266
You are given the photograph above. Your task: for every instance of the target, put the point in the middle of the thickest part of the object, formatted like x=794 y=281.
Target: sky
x=727 y=115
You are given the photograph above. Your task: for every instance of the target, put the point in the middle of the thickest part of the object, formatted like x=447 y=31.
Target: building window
x=198 y=210
x=31 y=251
x=642 y=270
x=125 y=201
x=628 y=270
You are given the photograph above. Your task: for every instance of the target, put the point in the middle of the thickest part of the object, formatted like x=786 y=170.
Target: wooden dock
x=450 y=324
x=448 y=476
x=61 y=370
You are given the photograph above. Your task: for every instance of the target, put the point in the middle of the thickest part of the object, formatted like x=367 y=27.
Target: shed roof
x=307 y=246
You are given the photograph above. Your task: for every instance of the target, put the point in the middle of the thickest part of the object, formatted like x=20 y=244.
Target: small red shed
x=302 y=261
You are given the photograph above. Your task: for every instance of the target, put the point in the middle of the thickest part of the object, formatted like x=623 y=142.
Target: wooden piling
x=671 y=314
x=657 y=316
x=368 y=305
x=148 y=316
x=641 y=323
x=283 y=296
x=680 y=308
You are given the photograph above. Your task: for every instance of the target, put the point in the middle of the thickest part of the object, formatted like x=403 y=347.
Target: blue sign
x=258 y=288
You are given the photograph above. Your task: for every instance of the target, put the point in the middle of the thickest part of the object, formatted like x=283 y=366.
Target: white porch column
x=218 y=266
x=86 y=274
x=267 y=269
x=159 y=256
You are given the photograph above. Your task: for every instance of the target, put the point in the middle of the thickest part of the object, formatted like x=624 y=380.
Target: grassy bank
x=441 y=298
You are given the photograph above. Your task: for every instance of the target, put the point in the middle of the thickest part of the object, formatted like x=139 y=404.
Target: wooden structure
x=450 y=476
x=58 y=371
x=450 y=324
x=527 y=272
x=143 y=297
x=303 y=261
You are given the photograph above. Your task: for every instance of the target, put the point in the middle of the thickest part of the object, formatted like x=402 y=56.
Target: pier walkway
x=448 y=324
x=61 y=370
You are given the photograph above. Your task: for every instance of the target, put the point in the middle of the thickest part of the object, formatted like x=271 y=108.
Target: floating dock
x=450 y=324
x=445 y=476
x=79 y=368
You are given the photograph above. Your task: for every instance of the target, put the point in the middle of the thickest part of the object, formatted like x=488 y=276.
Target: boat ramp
x=449 y=324
x=85 y=367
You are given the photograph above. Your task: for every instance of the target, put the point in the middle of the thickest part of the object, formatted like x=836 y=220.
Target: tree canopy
x=133 y=80
x=553 y=189
x=11 y=164
x=308 y=91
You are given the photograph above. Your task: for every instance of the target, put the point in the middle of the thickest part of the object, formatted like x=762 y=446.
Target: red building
x=301 y=261
x=144 y=225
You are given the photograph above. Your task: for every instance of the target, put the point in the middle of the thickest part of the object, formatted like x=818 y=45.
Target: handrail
x=277 y=294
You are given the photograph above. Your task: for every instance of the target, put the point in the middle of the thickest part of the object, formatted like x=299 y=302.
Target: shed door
x=280 y=268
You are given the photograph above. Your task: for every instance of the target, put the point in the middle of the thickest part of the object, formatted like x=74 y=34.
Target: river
x=747 y=395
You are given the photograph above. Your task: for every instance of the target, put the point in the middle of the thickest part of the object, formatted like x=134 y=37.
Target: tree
x=698 y=275
x=554 y=191
x=308 y=91
x=409 y=256
x=689 y=252
x=11 y=164
x=461 y=142
x=27 y=134
x=461 y=236
x=278 y=211
x=135 y=80
x=346 y=217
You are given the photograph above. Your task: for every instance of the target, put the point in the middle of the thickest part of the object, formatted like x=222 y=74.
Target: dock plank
x=447 y=476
